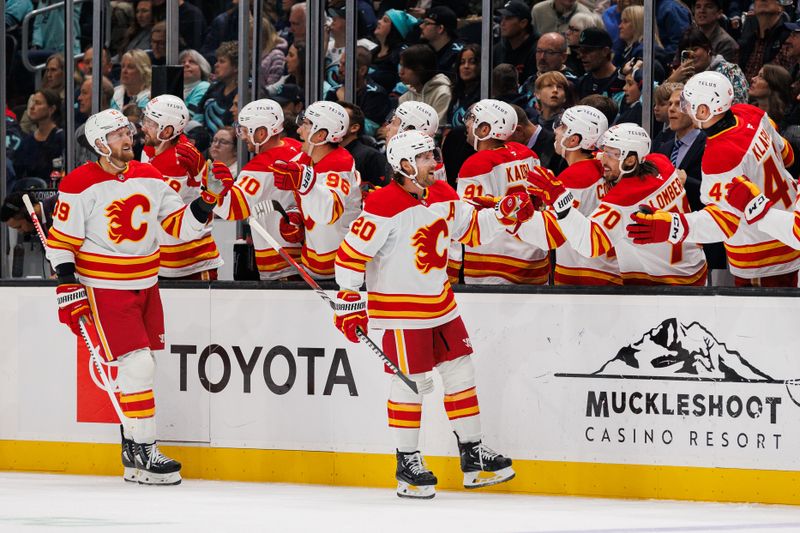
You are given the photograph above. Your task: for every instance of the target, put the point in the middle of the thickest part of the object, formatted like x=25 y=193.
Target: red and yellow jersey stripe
x=172 y=223
x=239 y=208
x=697 y=279
x=727 y=222
x=188 y=253
x=404 y=415
x=461 y=404
x=319 y=264
x=584 y=276
x=555 y=237
x=511 y=269
x=411 y=306
x=348 y=257
x=63 y=241
x=138 y=405
x=271 y=261
x=787 y=154
x=760 y=255
x=601 y=244
x=116 y=268
x=472 y=235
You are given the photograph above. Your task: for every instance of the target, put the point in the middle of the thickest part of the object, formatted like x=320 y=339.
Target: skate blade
x=131 y=475
x=149 y=478
x=476 y=480
x=420 y=492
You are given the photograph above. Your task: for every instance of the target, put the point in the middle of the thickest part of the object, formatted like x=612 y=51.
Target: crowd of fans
x=546 y=57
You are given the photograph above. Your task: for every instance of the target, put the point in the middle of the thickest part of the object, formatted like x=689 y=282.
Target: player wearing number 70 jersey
x=742 y=142
x=644 y=182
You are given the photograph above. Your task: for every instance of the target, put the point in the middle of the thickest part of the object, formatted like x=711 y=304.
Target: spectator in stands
x=191 y=25
x=594 y=48
x=551 y=54
x=418 y=73
x=295 y=68
x=630 y=109
x=439 y=30
x=338 y=30
x=371 y=98
x=106 y=67
x=158 y=44
x=672 y=19
x=467 y=89
x=196 y=72
x=762 y=37
x=84 y=152
x=15 y=11
x=224 y=27
x=138 y=34
x=707 y=15
x=518 y=37
x=135 y=79
x=553 y=96
x=505 y=85
x=578 y=23
x=48 y=31
x=223 y=148
x=631 y=36
x=538 y=139
x=290 y=98
x=216 y=104
x=661 y=96
x=273 y=55
x=297 y=23
x=53 y=77
x=38 y=150
x=370 y=162
x=391 y=32
x=695 y=52
x=14 y=213
x=554 y=15
x=612 y=16
x=770 y=90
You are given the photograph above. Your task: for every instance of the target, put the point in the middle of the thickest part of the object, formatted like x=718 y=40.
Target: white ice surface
x=39 y=502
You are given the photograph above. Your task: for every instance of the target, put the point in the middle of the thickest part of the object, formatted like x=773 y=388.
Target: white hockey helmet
x=328 y=116
x=264 y=113
x=583 y=120
x=99 y=125
x=167 y=110
x=417 y=116
x=408 y=145
x=500 y=116
x=707 y=88
x=629 y=139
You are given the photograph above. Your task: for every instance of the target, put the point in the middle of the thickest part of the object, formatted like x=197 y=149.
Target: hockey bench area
x=670 y=393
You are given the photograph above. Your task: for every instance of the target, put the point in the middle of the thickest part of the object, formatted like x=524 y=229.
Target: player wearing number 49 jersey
x=167 y=149
x=105 y=230
x=742 y=143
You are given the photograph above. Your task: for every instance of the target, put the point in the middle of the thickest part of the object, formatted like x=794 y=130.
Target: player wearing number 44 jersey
x=105 y=230
x=640 y=182
x=167 y=149
x=742 y=143
x=400 y=244
x=259 y=126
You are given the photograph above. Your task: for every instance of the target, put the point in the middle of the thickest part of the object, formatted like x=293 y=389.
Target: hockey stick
x=83 y=323
x=427 y=385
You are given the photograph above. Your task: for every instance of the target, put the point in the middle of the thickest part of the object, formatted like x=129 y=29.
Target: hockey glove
x=513 y=210
x=745 y=196
x=546 y=186
x=217 y=182
x=292 y=230
x=659 y=226
x=72 y=305
x=190 y=159
x=350 y=312
x=292 y=176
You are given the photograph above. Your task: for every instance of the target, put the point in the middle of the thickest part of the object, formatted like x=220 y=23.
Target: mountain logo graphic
x=675 y=351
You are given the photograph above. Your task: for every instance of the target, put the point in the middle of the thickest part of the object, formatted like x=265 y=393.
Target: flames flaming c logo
x=426 y=241
x=120 y=219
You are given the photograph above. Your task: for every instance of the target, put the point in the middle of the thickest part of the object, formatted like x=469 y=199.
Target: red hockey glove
x=513 y=210
x=659 y=226
x=483 y=202
x=190 y=159
x=546 y=186
x=350 y=313
x=292 y=231
x=217 y=182
x=745 y=196
x=72 y=305
x=292 y=176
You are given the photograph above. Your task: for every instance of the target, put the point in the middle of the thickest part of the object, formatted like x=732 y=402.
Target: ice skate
x=414 y=480
x=155 y=468
x=482 y=466
x=130 y=472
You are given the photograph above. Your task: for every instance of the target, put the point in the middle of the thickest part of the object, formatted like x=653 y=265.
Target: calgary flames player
x=639 y=180
x=326 y=186
x=165 y=117
x=577 y=133
x=399 y=243
x=105 y=230
x=742 y=142
x=498 y=168
x=259 y=126
x=418 y=116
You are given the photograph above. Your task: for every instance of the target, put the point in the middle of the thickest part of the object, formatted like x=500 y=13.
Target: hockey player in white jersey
x=399 y=245
x=742 y=142
x=326 y=188
x=498 y=167
x=103 y=246
x=577 y=132
x=259 y=126
x=165 y=117
x=418 y=116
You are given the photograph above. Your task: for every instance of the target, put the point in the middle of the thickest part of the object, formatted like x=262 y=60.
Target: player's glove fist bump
x=543 y=183
x=190 y=159
x=217 y=183
x=514 y=209
x=657 y=226
x=745 y=196
x=292 y=176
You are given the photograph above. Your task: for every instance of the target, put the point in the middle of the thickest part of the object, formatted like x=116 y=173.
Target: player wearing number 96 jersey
x=640 y=183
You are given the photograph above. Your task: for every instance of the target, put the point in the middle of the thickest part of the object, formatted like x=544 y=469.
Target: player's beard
x=122 y=155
